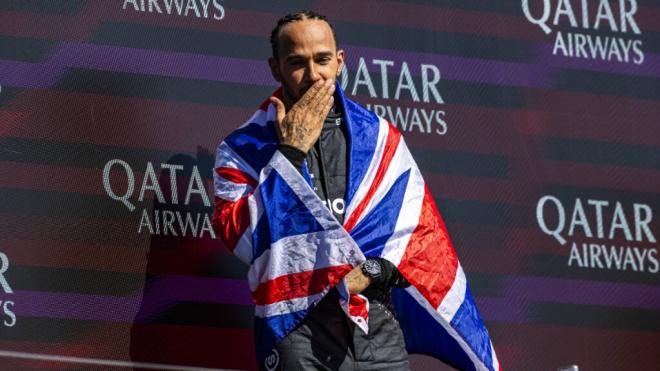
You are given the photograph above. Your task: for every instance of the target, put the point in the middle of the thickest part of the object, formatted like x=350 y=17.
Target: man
x=321 y=304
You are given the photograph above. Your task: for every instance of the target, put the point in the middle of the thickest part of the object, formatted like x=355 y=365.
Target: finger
x=330 y=91
x=280 y=110
x=328 y=106
x=322 y=110
x=309 y=95
x=324 y=98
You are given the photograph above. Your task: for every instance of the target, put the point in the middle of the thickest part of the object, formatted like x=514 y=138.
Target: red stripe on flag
x=236 y=176
x=230 y=220
x=430 y=262
x=357 y=306
x=391 y=144
x=297 y=285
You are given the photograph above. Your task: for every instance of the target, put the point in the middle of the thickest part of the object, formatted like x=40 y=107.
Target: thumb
x=280 y=110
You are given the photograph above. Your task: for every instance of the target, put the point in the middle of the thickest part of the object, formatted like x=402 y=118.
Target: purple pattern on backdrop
x=162 y=292
x=543 y=56
x=236 y=70
x=457 y=68
x=139 y=61
x=502 y=309
x=625 y=295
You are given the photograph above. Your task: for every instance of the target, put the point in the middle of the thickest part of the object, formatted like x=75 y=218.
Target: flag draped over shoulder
x=271 y=219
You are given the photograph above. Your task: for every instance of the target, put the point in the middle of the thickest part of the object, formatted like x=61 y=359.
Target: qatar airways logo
x=617 y=37
x=6 y=306
x=602 y=234
x=122 y=184
x=423 y=88
x=208 y=9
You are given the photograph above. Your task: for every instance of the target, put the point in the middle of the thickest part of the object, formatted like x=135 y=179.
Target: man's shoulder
x=254 y=141
x=357 y=110
x=361 y=115
x=258 y=127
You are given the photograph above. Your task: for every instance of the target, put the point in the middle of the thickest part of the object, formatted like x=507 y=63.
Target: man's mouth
x=304 y=90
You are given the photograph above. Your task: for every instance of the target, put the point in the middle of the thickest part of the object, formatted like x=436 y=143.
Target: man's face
x=307 y=53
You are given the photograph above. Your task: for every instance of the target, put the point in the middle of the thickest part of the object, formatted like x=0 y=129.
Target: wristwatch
x=372 y=269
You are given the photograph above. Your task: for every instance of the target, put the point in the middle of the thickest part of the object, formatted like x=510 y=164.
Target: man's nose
x=313 y=74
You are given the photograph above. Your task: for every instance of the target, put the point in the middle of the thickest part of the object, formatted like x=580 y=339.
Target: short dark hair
x=294 y=17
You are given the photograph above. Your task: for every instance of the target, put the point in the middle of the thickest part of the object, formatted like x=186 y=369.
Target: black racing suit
x=327 y=339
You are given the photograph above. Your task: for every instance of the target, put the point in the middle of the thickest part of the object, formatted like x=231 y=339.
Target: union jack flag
x=271 y=219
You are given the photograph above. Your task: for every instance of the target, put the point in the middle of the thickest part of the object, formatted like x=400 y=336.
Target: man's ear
x=275 y=69
x=340 y=61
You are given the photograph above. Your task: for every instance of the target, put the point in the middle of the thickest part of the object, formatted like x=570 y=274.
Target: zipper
x=322 y=171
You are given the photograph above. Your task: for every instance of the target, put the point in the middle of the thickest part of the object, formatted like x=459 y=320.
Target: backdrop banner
x=534 y=123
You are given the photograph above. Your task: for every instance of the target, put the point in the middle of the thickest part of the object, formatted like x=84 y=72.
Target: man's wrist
x=356 y=281
x=293 y=154
x=372 y=269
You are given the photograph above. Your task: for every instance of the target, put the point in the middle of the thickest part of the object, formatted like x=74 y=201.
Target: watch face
x=371 y=268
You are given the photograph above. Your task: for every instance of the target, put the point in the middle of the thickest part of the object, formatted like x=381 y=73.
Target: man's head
x=304 y=51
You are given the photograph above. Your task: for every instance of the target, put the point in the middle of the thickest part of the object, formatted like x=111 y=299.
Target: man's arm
x=294 y=155
x=231 y=214
x=234 y=181
x=297 y=131
x=356 y=281
x=389 y=277
x=301 y=126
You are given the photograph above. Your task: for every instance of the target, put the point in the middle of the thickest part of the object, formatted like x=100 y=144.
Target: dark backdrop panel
x=541 y=149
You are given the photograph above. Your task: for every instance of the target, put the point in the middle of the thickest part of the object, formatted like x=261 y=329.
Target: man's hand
x=301 y=126
x=356 y=281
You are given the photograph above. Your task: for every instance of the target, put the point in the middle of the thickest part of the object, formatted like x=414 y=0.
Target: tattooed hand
x=301 y=126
